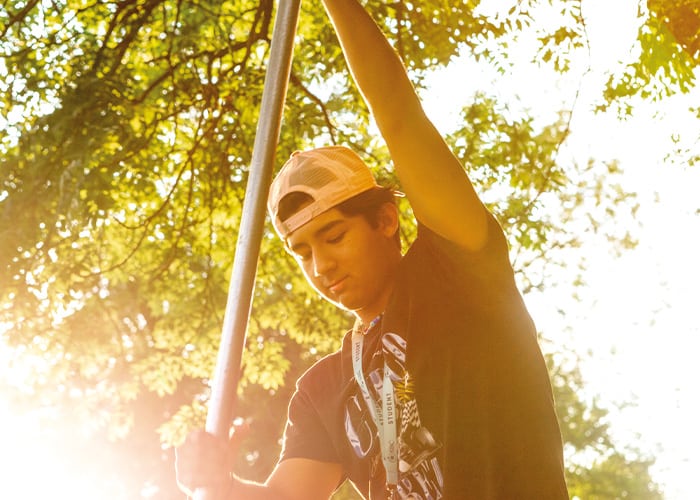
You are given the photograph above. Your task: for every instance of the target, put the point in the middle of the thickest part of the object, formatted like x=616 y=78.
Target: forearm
x=242 y=489
x=205 y=461
x=373 y=63
x=292 y=479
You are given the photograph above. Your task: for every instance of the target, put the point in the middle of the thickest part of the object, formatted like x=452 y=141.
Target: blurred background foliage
x=127 y=135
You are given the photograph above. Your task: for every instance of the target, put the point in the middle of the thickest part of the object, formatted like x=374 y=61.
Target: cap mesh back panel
x=313 y=177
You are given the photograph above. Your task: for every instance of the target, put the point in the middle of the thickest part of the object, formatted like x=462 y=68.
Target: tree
x=667 y=51
x=596 y=467
x=129 y=132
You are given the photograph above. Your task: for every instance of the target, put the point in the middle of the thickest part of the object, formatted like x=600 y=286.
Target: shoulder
x=327 y=372
x=325 y=367
x=430 y=246
x=316 y=392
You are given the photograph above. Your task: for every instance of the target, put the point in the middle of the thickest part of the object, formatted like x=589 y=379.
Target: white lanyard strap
x=384 y=414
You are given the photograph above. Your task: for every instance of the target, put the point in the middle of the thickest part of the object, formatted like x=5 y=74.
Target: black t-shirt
x=477 y=418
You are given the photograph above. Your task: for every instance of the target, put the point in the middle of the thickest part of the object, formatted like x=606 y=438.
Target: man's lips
x=337 y=285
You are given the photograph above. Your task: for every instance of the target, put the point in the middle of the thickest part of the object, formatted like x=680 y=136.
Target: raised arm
x=434 y=181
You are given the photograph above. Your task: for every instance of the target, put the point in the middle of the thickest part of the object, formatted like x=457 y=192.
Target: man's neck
x=366 y=315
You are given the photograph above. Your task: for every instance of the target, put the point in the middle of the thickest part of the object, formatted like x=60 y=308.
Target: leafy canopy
x=128 y=133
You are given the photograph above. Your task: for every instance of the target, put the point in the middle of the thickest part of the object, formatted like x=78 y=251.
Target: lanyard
x=384 y=414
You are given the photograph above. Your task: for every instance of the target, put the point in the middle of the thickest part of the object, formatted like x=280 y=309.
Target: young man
x=440 y=390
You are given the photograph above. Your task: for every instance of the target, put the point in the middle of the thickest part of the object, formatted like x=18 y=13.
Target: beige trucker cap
x=330 y=175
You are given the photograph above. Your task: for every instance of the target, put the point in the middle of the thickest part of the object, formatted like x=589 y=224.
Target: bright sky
x=636 y=317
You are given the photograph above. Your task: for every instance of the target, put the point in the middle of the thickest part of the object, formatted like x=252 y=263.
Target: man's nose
x=323 y=263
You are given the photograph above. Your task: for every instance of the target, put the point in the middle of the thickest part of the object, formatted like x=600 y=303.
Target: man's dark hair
x=366 y=204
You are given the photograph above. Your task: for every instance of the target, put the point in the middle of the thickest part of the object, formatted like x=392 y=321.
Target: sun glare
x=32 y=467
x=31 y=470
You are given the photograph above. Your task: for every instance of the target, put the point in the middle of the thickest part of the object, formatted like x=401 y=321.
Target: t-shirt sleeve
x=306 y=434
x=460 y=265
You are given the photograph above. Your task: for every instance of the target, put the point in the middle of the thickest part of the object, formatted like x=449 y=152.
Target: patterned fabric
x=420 y=477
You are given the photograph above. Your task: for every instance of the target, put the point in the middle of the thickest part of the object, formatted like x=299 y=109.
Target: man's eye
x=336 y=239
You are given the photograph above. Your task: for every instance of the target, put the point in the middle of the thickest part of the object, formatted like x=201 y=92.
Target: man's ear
x=388 y=219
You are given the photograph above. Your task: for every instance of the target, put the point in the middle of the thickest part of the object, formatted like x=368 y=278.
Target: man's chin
x=335 y=300
x=344 y=303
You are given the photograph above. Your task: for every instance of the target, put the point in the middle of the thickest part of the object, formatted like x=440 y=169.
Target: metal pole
x=228 y=365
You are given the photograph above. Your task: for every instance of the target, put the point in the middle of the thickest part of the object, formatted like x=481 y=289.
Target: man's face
x=347 y=261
